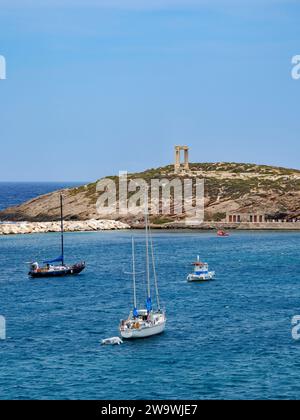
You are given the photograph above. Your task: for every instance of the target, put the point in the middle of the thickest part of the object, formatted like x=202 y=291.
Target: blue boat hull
x=67 y=271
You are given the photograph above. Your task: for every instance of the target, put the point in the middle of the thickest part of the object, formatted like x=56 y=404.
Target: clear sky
x=94 y=87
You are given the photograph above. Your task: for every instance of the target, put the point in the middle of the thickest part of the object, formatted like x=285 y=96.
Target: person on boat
x=222 y=233
x=35 y=266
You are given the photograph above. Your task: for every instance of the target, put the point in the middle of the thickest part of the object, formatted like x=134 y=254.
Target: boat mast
x=147 y=248
x=62 y=229
x=134 y=275
x=154 y=270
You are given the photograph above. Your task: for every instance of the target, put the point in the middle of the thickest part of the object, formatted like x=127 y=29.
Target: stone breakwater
x=69 y=226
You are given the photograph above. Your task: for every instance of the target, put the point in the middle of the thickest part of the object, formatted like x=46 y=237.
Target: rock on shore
x=45 y=227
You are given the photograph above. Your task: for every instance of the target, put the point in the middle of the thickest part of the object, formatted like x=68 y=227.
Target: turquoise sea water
x=228 y=339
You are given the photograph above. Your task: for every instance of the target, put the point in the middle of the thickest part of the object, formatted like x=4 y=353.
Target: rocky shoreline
x=69 y=226
x=19 y=228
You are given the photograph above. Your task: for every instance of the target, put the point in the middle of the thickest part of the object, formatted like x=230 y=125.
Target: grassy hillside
x=229 y=187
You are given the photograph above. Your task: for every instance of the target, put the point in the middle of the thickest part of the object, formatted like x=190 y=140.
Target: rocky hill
x=229 y=188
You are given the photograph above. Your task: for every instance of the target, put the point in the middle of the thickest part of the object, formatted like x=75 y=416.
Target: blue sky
x=94 y=87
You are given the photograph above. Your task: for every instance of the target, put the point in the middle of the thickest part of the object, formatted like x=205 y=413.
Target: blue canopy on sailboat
x=149 y=304
x=135 y=313
x=59 y=259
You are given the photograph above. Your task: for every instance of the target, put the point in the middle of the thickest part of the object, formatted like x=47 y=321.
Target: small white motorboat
x=201 y=272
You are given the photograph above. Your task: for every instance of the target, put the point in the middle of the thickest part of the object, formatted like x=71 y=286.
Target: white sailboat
x=147 y=321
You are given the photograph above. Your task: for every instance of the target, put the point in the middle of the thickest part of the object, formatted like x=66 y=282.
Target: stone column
x=177 y=159
x=186 y=159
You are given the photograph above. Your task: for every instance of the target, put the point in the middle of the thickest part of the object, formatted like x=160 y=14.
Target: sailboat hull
x=60 y=272
x=143 y=332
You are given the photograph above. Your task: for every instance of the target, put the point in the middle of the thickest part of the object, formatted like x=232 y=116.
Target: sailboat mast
x=134 y=274
x=62 y=229
x=154 y=270
x=147 y=247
